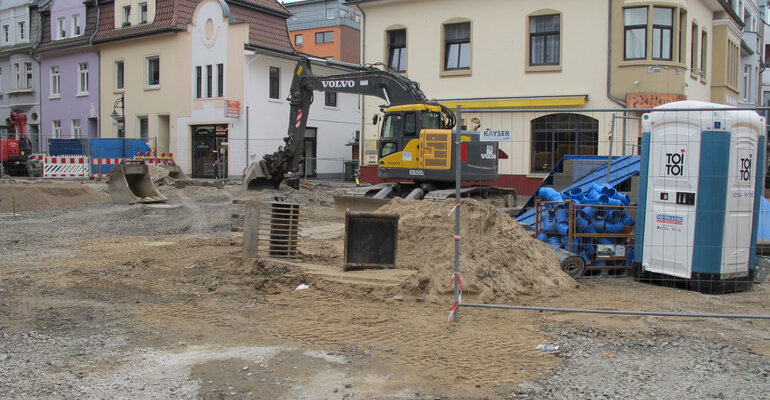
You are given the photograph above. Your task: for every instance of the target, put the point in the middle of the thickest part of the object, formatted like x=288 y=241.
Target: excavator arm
x=369 y=80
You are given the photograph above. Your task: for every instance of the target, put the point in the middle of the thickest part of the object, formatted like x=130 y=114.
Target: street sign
x=495 y=136
x=233 y=109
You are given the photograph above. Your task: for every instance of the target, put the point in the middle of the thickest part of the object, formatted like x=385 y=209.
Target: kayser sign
x=495 y=136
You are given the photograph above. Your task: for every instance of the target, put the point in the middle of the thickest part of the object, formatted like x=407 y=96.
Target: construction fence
x=665 y=207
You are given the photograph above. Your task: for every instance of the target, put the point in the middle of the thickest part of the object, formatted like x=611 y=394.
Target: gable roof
x=266 y=19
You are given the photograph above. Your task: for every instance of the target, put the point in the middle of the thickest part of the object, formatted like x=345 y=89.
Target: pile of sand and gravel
x=23 y=197
x=499 y=260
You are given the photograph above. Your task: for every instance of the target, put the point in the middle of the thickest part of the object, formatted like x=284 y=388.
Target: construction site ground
x=102 y=300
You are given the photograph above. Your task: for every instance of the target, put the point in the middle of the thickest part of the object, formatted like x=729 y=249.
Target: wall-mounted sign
x=489 y=135
x=233 y=109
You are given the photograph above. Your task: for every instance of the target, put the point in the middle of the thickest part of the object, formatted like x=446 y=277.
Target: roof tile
x=265 y=29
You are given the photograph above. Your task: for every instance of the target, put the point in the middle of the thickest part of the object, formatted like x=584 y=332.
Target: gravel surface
x=612 y=364
x=151 y=328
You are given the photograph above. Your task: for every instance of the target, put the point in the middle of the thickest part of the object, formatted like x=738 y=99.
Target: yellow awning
x=522 y=102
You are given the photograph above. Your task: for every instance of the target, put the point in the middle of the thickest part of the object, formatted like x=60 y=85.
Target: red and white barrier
x=75 y=166
x=110 y=163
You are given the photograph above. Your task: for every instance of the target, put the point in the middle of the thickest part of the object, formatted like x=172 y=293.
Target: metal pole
x=247 y=138
x=617 y=312
x=625 y=124
x=458 y=165
x=609 y=153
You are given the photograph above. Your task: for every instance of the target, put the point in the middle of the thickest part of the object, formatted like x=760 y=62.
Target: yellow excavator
x=415 y=147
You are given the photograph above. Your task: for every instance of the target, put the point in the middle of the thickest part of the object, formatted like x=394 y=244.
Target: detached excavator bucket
x=256 y=178
x=174 y=172
x=344 y=202
x=130 y=183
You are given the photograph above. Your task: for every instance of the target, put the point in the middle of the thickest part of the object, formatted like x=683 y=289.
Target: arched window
x=555 y=135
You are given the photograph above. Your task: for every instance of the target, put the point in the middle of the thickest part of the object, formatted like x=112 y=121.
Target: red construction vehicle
x=15 y=146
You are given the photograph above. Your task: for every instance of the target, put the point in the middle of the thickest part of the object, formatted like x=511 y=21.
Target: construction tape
x=452 y=311
x=454 y=208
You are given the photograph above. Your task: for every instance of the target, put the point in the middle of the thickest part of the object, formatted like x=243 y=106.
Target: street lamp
x=120 y=119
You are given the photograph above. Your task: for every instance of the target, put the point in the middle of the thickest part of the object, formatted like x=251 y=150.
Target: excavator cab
x=403 y=124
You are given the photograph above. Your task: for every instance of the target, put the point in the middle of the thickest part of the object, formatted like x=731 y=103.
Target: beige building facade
x=542 y=69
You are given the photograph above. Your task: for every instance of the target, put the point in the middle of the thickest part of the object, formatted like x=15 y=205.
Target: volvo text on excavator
x=415 y=145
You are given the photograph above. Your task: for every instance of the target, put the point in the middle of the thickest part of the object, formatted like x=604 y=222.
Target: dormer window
x=76 y=25
x=61 y=30
x=127 y=15
x=142 y=13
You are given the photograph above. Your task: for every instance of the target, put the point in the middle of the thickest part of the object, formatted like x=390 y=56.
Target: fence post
x=458 y=160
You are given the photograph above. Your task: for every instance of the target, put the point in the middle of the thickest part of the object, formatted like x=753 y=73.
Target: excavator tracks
x=369 y=198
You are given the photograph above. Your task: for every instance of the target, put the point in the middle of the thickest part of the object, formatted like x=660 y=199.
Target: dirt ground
x=105 y=300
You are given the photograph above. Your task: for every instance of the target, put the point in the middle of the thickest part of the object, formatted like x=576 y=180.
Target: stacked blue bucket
x=594 y=213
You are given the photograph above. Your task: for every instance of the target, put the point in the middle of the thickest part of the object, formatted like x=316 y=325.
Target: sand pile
x=46 y=196
x=499 y=260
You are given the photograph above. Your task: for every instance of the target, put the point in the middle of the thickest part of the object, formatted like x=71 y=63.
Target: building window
x=694 y=47
x=635 y=26
x=17 y=74
x=142 y=13
x=324 y=37
x=662 y=27
x=274 y=82
x=120 y=82
x=76 y=25
x=1 y=80
x=75 y=128
x=6 y=33
x=220 y=80
x=544 y=39
x=330 y=99
x=555 y=135
x=126 y=15
x=330 y=14
x=82 y=79
x=55 y=82
x=298 y=40
x=61 y=29
x=397 y=50
x=144 y=128
x=209 y=82
x=56 y=131
x=28 y=75
x=746 y=83
x=457 y=46
x=153 y=71
x=22 y=31
x=682 y=36
x=198 y=82
x=704 y=39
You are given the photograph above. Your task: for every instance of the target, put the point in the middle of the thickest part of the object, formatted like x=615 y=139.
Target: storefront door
x=209 y=150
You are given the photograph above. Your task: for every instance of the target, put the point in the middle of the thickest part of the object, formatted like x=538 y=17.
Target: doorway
x=309 y=164
x=209 y=150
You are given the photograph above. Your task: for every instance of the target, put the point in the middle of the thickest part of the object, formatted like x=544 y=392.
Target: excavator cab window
x=391 y=129
x=410 y=124
x=431 y=120
x=388 y=148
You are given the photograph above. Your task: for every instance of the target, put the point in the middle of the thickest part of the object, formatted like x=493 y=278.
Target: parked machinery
x=415 y=145
x=15 y=146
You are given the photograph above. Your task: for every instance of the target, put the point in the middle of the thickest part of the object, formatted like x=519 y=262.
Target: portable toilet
x=701 y=182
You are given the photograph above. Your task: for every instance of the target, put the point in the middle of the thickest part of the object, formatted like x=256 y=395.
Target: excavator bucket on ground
x=174 y=172
x=130 y=183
